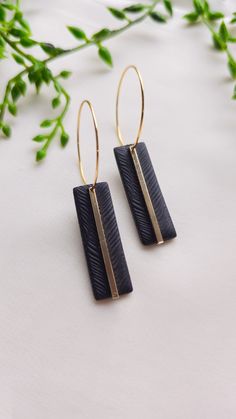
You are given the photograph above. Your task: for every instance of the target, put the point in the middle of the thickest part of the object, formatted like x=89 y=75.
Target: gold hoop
x=118 y=130
x=97 y=143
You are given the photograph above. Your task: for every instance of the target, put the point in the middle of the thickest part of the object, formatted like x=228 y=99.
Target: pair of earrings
x=104 y=252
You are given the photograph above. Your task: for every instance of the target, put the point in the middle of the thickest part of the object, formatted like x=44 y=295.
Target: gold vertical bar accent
x=146 y=195
x=103 y=244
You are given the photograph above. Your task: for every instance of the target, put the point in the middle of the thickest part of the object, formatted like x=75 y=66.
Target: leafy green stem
x=110 y=34
x=5 y=128
x=221 y=34
x=14 y=46
x=58 y=125
x=16 y=34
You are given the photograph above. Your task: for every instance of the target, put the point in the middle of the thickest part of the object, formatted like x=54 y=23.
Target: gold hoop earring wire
x=118 y=130
x=81 y=168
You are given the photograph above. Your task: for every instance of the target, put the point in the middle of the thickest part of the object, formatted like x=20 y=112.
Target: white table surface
x=168 y=350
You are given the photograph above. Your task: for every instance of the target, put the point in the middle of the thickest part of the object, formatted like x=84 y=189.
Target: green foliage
x=134 y=8
x=39 y=138
x=27 y=42
x=220 y=32
x=223 y=32
x=51 y=49
x=41 y=154
x=56 y=102
x=215 y=15
x=168 y=6
x=202 y=10
x=119 y=14
x=65 y=74
x=46 y=123
x=2 y=14
x=16 y=40
x=12 y=108
x=232 y=66
x=6 y=130
x=105 y=55
x=199 y=6
x=218 y=42
x=15 y=92
x=191 y=17
x=18 y=59
x=77 y=33
x=233 y=20
x=64 y=139
x=157 y=17
x=101 y=35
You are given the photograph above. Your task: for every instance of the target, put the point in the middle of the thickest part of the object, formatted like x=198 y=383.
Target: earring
x=105 y=256
x=143 y=192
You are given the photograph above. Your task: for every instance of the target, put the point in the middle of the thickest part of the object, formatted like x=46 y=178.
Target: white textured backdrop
x=167 y=351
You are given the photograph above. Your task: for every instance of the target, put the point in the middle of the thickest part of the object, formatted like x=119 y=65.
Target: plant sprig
x=16 y=39
x=221 y=34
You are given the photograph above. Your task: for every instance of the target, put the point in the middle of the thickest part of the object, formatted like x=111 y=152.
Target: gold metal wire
x=97 y=143
x=118 y=130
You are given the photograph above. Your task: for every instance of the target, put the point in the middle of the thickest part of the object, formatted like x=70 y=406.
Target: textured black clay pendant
x=143 y=192
x=104 y=252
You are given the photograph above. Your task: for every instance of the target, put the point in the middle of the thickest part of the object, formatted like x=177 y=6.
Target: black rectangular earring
x=143 y=192
x=104 y=252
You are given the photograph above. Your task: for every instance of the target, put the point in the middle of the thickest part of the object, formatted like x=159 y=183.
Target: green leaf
x=64 y=139
x=2 y=14
x=38 y=84
x=191 y=17
x=27 y=42
x=206 y=7
x=39 y=138
x=215 y=15
x=24 y=24
x=18 y=33
x=119 y=14
x=77 y=33
x=2 y=53
x=232 y=67
x=46 y=75
x=46 y=123
x=105 y=55
x=135 y=8
x=41 y=154
x=168 y=6
x=8 y=6
x=6 y=130
x=21 y=85
x=50 y=49
x=231 y=39
x=2 y=42
x=101 y=35
x=35 y=74
x=198 y=6
x=223 y=32
x=12 y=109
x=65 y=74
x=18 y=15
x=55 y=102
x=15 y=93
x=18 y=59
x=158 y=17
x=218 y=43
